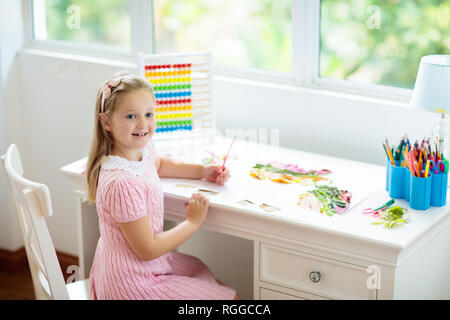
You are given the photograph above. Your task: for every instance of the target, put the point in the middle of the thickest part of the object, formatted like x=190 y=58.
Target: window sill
x=282 y=85
x=314 y=90
x=80 y=58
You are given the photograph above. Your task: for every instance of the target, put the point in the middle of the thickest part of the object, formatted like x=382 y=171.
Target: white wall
x=317 y=121
x=11 y=42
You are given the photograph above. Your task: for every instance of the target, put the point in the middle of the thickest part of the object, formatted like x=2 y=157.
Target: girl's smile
x=140 y=134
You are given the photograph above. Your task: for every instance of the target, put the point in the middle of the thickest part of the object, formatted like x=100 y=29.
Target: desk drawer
x=267 y=294
x=313 y=274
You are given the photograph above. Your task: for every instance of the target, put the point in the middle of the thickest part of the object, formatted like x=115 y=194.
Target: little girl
x=134 y=258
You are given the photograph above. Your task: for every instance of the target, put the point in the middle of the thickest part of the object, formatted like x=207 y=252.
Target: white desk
x=412 y=260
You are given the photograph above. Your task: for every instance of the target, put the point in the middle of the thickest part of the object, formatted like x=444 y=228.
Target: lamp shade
x=432 y=88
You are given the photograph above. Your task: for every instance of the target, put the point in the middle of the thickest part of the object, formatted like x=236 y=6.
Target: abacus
x=182 y=87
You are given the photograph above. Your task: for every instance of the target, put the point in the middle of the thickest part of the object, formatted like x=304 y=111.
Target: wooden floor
x=17 y=285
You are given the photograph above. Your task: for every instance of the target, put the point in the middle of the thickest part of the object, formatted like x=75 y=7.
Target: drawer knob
x=314 y=276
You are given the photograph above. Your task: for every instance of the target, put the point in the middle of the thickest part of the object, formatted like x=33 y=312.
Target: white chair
x=33 y=205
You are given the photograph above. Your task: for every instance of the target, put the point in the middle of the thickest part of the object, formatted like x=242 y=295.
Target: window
x=250 y=33
x=97 y=23
x=381 y=41
x=369 y=46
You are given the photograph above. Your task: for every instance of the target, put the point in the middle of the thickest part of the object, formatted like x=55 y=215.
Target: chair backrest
x=182 y=83
x=33 y=205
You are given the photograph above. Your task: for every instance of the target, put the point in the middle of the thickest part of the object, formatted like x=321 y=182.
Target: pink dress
x=129 y=190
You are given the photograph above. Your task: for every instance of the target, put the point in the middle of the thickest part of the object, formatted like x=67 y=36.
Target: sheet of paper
x=241 y=186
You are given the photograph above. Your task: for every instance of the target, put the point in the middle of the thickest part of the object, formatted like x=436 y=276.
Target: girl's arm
x=168 y=168
x=148 y=246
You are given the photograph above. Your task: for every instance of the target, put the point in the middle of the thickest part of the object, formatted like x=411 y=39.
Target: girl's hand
x=214 y=173
x=196 y=209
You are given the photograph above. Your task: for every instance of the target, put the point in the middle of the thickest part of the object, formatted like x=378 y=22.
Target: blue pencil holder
x=395 y=180
x=439 y=182
x=407 y=191
x=420 y=192
x=388 y=167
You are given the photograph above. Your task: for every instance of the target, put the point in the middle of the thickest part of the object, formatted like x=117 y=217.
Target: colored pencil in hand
x=228 y=153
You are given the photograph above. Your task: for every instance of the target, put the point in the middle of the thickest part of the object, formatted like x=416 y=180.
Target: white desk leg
x=88 y=235
x=256 y=294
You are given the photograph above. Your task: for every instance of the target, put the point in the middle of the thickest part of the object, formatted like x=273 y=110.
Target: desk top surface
x=365 y=181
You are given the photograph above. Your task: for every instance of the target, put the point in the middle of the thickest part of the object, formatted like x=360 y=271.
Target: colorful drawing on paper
x=326 y=199
x=288 y=173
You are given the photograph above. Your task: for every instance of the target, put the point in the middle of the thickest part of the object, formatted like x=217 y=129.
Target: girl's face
x=132 y=123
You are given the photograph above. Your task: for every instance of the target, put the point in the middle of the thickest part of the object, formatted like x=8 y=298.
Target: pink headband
x=106 y=92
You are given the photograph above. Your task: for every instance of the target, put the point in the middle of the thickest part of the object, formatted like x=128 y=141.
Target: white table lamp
x=432 y=89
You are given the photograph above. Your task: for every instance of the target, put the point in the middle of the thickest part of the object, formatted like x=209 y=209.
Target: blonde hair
x=102 y=140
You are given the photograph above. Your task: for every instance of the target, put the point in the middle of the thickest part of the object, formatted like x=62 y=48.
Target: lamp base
x=442 y=133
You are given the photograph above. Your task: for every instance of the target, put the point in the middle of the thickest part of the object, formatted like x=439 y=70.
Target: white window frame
x=305 y=17
x=141 y=28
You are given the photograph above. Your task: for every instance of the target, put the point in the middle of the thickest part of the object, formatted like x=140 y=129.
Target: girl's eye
x=131 y=116
x=149 y=115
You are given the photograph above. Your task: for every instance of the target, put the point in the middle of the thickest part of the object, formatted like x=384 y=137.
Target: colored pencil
x=388 y=154
x=416 y=165
x=411 y=159
x=390 y=157
x=407 y=159
x=427 y=168
x=228 y=153
x=385 y=151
